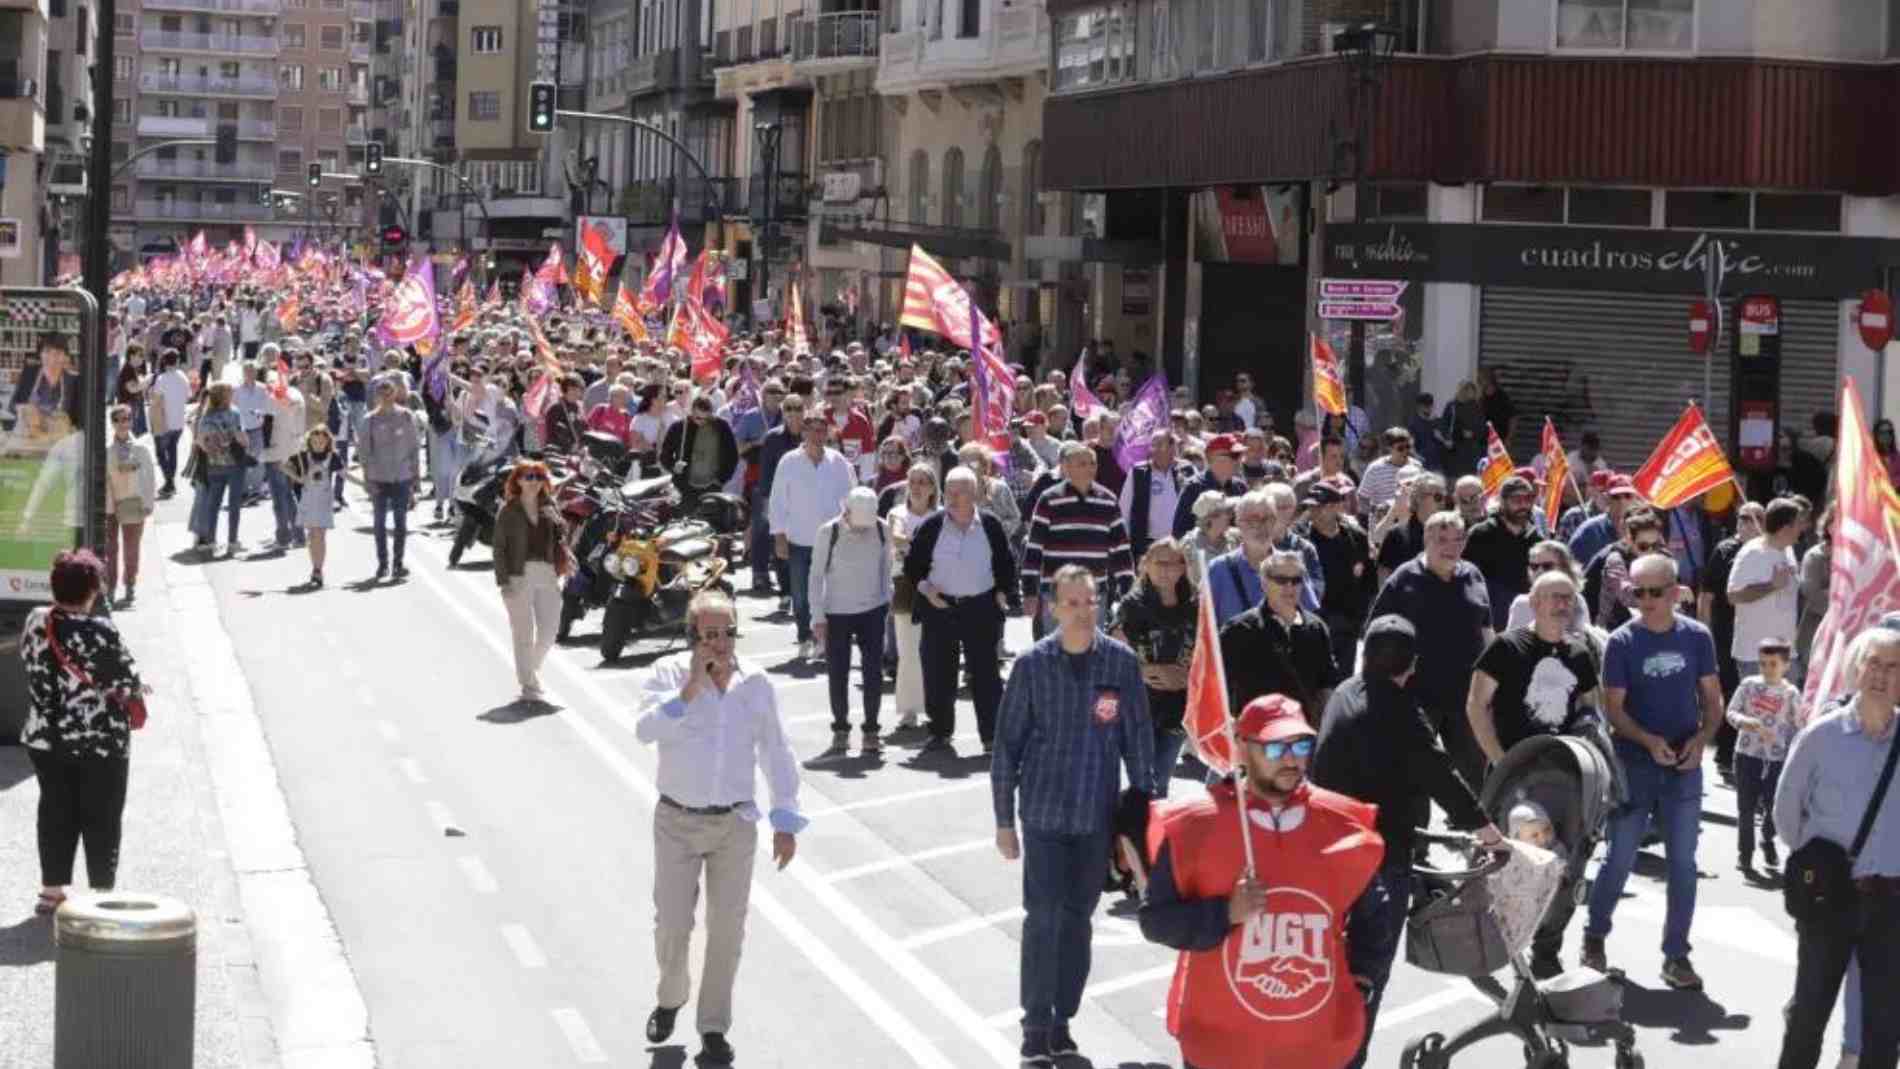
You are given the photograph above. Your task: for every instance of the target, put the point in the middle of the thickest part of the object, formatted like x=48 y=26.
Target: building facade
x=45 y=116
x=1546 y=186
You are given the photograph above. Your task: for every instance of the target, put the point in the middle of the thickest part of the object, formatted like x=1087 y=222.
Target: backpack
x=831 y=547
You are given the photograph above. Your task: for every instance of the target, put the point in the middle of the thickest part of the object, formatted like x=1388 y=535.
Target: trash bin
x=125 y=985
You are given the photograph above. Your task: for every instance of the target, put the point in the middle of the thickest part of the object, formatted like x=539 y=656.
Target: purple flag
x=1082 y=401
x=1148 y=414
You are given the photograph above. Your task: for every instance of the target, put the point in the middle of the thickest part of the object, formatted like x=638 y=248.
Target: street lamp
x=769 y=135
x=1370 y=45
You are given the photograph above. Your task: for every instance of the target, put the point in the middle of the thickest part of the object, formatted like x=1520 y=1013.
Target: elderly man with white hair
x=850 y=592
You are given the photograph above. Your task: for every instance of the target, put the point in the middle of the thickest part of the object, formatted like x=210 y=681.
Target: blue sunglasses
x=1301 y=747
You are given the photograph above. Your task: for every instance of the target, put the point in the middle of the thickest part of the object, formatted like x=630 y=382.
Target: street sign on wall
x=1360 y=298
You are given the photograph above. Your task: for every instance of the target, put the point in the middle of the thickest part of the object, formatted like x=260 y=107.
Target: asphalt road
x=489 y=871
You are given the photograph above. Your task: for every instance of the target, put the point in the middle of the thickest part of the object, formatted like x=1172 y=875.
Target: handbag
x=903 y=594
x=1818 y=881
x=132 y=707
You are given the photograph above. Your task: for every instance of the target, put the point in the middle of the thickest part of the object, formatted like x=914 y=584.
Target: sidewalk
x=205 y=823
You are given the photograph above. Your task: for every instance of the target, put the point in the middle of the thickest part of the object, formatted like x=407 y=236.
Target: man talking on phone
x=710 y=713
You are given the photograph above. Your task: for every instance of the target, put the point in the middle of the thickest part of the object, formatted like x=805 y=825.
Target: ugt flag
x=1864 y=574
x=1210 y=730
x=1556 y=472
x=1687 y=463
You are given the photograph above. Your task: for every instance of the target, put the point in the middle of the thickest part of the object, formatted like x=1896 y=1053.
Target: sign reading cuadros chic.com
x=1601 y=258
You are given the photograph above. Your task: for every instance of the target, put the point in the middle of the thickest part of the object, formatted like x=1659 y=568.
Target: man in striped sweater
x=1077 y=521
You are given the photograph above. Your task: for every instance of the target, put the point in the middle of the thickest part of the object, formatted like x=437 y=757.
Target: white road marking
x=905 y=796
x=411 y=770
x=349 y=669
x=922 y=1050
x=961 y=928
x=388 y=731
x=580 y=1038
x=905 y=861
x=367 y=695
x=1094 y=991
x=527 y=954
x=439 y=814
x=480 y=879
x=1392 y=1016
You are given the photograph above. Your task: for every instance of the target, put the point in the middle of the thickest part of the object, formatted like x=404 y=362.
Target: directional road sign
x=1360 y=289
x=1375 y=310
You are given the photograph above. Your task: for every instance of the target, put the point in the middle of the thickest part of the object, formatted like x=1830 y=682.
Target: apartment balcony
x=260 y=87
x=205 y=170
x=1013 y=44
x=442 y=133
x=788 y=195
x=841 y=40
x=358 y=95
x=649 y=201
x=360 y=51
x=200 y=211
x=21 y=120
x=363 y=9
x=230 y=44
x=173 y=126
x=218 y=7
x=355 y=135
x=655 y=72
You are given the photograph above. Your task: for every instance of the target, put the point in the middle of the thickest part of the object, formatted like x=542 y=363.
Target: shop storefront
x=1591 y=325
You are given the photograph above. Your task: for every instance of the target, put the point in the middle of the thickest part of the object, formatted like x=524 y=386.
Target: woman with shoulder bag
x=531 y=559
x=84 y=699
x=131 y=494
x=918 y=502
x=1157 y=620
x=220 y=436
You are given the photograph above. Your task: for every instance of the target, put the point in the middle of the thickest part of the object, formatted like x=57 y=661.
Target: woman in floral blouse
x=77 y=735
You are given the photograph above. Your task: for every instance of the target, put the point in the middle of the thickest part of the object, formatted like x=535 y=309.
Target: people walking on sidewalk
x=391 y=451
x=715 y=719
x=850 y=588
x=531 y=557
x=82 y=685
x=1075 y=708
x=131 y=495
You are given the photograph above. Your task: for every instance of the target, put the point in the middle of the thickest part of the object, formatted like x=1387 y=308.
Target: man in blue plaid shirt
x=1075 y=706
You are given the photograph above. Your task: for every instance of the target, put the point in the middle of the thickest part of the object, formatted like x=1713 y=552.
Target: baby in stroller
x=1554 y=794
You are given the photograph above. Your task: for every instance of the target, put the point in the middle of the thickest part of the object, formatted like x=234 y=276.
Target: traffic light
x=316 y=175
x=263 y=196
x=373 y=158
x=394 y=236
x=541 y=107
x=226 y=152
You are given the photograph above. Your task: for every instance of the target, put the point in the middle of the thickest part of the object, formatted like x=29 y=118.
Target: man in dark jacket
x=777 y=442
x=699 y=451
x=1151 y=492
x=1376 y=745
x=1223 y=462
x=1276 y=647
x=1500 y=545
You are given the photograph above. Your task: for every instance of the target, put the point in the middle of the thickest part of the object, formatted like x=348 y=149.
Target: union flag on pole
x=409 y=311
x=627 y=314
x=795 y=322
x=553 y=270
x=591 y=266
x=1864 y=573
x=537 y=295
x=1329 y=390
x=1497 y=465
x=493 y=297
x=658 y=288
x=465 y=307
x=288 y=313
x=1687 y=463
x=1210 y=728
x=933 y=301
x=700 y=336
x=1082 y=399
x=1556 y=473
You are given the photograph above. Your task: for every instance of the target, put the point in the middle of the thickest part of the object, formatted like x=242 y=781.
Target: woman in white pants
x=530 y=561
x=918 y=502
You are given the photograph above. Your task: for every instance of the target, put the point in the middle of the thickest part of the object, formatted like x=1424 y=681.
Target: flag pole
x=1239 y=769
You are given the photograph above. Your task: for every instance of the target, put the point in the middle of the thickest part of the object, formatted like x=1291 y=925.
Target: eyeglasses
x=1648 y=547
x=1651 y=591
x=1539 y=566
x=1301 y=747
x=1286 y=580
x=533 y=477
x=712 y=634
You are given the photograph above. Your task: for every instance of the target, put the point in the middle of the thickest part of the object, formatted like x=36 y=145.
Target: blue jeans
x=1850 y=1008
x=166 y=445
x=1374 y=926
x=283 y=504
x=865 y=630
x=1676 y=798
x=254 y=475
x=759 y=542
x=1168 y=745
x=388 y=498
x=1062 y=882
x=447 y=454
x=220 y=482
x=1755 y=781
x=800 y=568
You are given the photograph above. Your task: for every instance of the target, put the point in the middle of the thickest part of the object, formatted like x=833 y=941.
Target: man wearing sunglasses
x=1606 y=578
x=1382 y=477
x=1375 y=745
x=1265 y=963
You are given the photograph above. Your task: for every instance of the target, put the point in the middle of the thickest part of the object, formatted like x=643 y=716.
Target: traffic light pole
x=624 y=120
x=410 y=161
x=126 y=164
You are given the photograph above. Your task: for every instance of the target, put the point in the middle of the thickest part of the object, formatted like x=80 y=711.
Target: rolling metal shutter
x=1619 y=364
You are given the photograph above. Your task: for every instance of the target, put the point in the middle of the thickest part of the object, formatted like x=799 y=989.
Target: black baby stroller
x=1454 y=927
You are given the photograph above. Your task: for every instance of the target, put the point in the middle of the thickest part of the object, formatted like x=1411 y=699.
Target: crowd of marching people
x=1350 y=573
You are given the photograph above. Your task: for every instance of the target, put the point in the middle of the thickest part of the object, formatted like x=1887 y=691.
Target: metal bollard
x=126 y=982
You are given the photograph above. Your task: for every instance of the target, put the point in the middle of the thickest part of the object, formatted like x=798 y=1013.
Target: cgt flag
x=1497 y=465
x=1687 y=463
x=1556 y=472
x=1864 y=573
x=1329 y=390
x=1210 y=729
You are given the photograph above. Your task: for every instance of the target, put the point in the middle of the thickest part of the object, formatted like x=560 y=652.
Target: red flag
x=627 y=314
x=494 y=293
x=1556 y=473
x=409 y=315
x=590 y=268
x=539 y=396
x=1687 y=463
x=699 y=335
x=1497 y=462
x=1864 y=569
x=1082 y=400
x=280 y=384
x=934 y=301
x=1329 y=391
x=465 y=309
x=288 y=313
x=1210 y=729
x=696 y=282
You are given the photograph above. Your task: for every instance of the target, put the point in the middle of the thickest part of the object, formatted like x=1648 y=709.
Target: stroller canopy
x=1569 y=777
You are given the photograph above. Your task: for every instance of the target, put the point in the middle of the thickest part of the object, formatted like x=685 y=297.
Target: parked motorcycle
x=618 y=512
x=657 y=576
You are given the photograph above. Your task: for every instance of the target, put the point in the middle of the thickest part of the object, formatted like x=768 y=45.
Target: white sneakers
x=807 y=649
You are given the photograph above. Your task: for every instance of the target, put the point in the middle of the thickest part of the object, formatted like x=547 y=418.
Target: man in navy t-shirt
x=1664 y=699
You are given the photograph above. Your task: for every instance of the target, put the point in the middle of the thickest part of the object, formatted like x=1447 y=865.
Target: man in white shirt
x=135 y=309
x=251 y=401
x=808 y=488
x=1246 y=406
x=171 y=392
x=716 y=721
x=249 y=329
x=1761 y=584
x=288 y=416
x=1380 y=483
x=1151 y=492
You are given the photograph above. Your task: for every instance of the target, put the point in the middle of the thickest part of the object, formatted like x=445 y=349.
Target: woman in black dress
x=1156 y=619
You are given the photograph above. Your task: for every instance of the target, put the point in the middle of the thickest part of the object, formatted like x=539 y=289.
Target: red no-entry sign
x=1875 y=319
x=1701 y=326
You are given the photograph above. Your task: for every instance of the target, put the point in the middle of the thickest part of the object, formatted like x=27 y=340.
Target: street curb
x=298 y=1003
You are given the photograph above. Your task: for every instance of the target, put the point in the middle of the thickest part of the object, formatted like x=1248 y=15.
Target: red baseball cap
x=1601 y=479
x=1621 y=486
x=1528 y=474
x=1225 y=443
x=1272 y=717
x=1035 y=417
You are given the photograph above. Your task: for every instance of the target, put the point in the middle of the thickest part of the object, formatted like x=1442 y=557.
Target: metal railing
x=649 y=201
x=359 y=51
x=205 y=85
x=222 y=7
x=186 y=209
x=160 y=168
x=355 y=135
x=357 y=94
x=790 y=199
x=838 y=35
x=362 y=9
x=179 y=126
x=243 y=44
